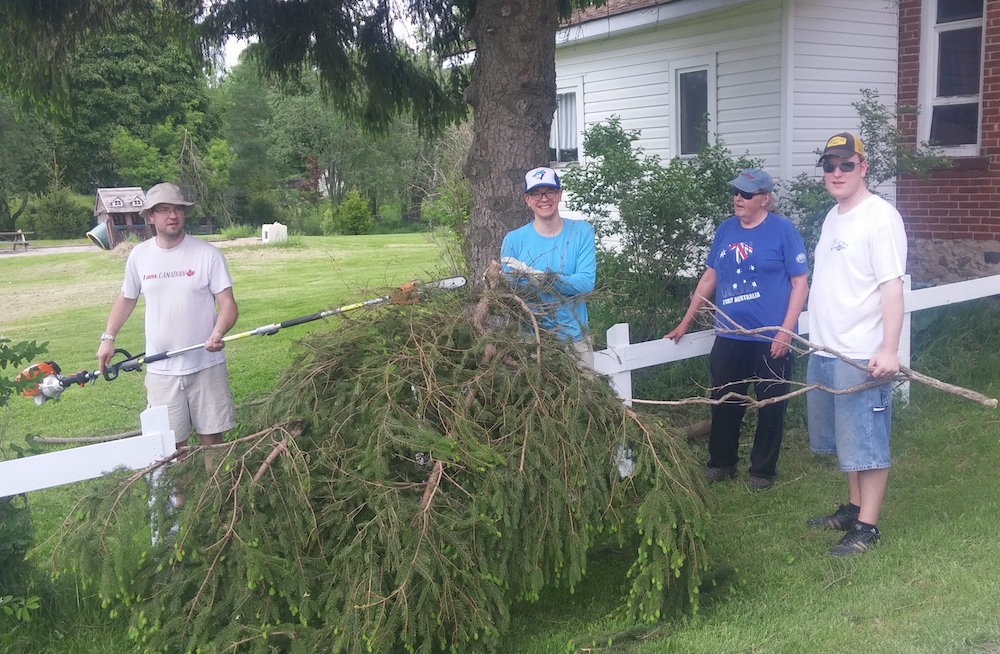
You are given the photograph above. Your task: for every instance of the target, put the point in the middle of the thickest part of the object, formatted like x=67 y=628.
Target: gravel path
x=72 y=249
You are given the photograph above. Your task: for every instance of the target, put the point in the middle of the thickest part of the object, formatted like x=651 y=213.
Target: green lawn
x=931 y=587
x=63 y=299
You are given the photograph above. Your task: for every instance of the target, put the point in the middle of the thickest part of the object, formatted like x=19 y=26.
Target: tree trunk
x=513 y=96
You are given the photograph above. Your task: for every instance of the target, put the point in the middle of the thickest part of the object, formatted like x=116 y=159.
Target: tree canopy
x=366 y=69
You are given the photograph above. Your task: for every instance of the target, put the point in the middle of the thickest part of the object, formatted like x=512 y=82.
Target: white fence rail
x=617 y=361
x=89 y=462
x=622 y=357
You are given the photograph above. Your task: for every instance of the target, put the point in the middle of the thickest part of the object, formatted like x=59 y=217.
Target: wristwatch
x=107 y=337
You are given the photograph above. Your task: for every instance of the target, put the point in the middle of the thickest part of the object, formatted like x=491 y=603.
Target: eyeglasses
x=164 y=211
x=845 y=166
x=746 y=195
x=548 y=194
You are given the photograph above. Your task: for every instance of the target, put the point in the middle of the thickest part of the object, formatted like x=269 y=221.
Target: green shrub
x=666 y=216
x=889 y=153
x=16 y=531
x=256 y=205
x=352 y=216
x=56 y=214
x=240 y=230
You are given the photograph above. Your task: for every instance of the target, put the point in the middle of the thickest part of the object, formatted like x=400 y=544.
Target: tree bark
x=513 y=96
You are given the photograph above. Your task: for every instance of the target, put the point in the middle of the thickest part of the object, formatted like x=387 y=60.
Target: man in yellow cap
x=855 y=309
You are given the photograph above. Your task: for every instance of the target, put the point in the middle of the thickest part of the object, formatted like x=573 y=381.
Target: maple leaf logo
x=189 y=273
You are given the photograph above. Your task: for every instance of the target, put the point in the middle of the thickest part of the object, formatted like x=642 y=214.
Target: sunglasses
x=845 y=166
x=746 y=195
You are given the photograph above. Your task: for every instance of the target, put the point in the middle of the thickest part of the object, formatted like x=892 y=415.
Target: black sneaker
x=857 y=541
x=760 y=483
x=843 y=519
x=719 y=474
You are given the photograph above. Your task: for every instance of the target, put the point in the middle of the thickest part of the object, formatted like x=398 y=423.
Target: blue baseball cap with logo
x=753 y=180
x=541 y=178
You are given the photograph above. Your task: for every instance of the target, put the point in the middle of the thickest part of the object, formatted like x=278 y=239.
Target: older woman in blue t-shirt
x=757 y=271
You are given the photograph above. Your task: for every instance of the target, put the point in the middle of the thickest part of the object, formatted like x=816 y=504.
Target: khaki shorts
x=202 y=400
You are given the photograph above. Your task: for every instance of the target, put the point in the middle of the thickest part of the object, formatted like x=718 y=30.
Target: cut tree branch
x=805 y=346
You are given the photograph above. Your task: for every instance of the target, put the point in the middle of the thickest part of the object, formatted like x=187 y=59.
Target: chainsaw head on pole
x=45 y=376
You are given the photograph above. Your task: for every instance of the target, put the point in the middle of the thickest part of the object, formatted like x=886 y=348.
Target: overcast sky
x=233 y=48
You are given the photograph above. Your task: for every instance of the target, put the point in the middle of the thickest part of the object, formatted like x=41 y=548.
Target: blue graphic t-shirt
x=753 y=271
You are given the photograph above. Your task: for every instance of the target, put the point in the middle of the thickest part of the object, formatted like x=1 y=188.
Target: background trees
x=365 y=69
x=130 y=87
x=25 y=144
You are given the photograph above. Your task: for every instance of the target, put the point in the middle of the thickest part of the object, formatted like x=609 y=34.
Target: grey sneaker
x=719 y=474
x=843 y=519
x=857 y=541
x=760 y=483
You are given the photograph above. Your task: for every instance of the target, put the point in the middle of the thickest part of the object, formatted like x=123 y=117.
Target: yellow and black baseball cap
x=844 y=145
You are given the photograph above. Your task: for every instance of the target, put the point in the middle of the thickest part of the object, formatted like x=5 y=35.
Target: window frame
x=676 y=69
x=572 y=85
x=928 y=77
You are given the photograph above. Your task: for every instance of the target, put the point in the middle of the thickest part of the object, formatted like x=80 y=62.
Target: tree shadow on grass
x=592 y=615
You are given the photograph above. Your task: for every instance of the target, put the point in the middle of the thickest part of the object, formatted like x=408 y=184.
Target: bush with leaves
x=56 y=214
x=15 y=519
x=664 y=214
x=352 y=216
x=412 y=476
x=889 y=152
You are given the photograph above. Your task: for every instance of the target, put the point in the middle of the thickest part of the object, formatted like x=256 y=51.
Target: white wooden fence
x=618 y=361
x=91 y=461
x=622 y=357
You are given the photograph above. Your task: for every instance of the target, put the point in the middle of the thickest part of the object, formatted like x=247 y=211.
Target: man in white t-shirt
x=855 y=309
x=189 y=299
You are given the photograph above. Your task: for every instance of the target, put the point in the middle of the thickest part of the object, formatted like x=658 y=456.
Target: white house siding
x=628 y=75
x=838 y=48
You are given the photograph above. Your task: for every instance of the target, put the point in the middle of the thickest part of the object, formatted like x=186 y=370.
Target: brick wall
x=963 y=202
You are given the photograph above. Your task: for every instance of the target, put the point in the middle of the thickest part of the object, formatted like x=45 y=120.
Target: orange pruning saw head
x=46 y=377
x=45 y=381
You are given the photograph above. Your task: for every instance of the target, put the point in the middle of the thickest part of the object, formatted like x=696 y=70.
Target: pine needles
x=412 y=476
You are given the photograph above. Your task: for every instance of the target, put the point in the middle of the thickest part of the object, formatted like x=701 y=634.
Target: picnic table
x=17 y=238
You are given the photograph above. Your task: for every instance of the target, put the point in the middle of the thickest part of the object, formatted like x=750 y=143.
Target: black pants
x=733 y=365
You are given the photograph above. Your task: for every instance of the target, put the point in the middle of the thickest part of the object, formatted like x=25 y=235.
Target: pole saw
x=51 y=383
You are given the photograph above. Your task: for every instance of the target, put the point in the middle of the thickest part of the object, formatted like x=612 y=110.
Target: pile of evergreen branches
x=412 y=476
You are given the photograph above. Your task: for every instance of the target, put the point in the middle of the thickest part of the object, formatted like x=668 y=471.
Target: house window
x=951 y=74
x=563 y=147
x=692 y=89
x=136 y=202
x=117 y=202
x=693 y=83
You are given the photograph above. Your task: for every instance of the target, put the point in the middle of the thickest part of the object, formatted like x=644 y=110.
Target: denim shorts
x=854 y=426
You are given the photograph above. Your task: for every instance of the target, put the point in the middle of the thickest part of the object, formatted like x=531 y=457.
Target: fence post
x=621 y=382
x=154 y=420
x=904 y=345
